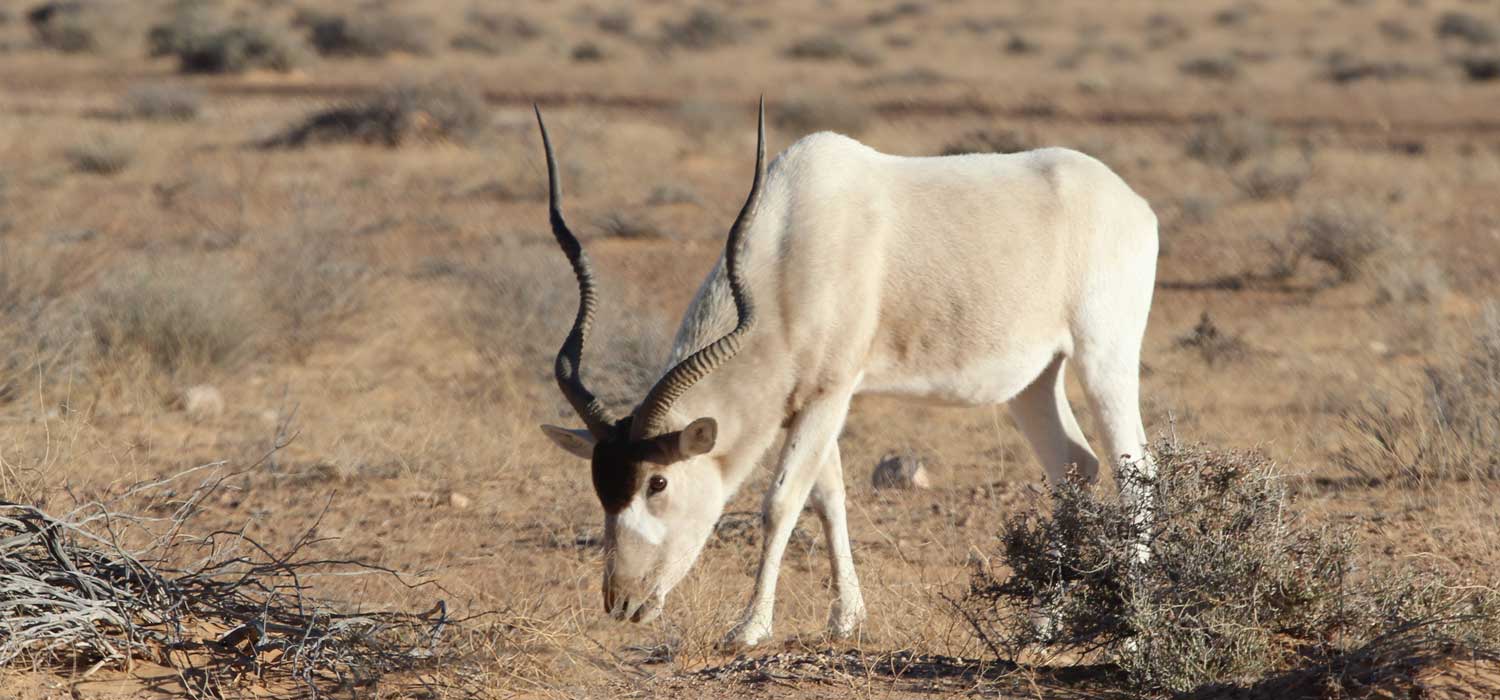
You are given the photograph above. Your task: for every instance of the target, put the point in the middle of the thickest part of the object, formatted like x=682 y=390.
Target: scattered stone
x=460 y=501
x=901 y=471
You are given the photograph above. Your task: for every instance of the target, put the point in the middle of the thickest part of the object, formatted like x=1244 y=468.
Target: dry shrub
x=162 y=102
x=231 y=616
x=1408 y=276
x=366 y=33
x=806 y=115
x=1237 y=588
x=1226 y=141
x=307 y=283
x=704 y=28
x=64 y=26
x=1271 y=179
x=519 y=304
x=494 y=32
x=1213 y=344
x=988 y=141
x=39 y=332
x=1346 y=236
x=204 y=42
x=829 y=47
x=100 y=155
x=1481 y=68
x=181 y=315
x=630 y=224
x=392 y=117
x=1465 y=27
x=1449 y=432
x=1211 y=67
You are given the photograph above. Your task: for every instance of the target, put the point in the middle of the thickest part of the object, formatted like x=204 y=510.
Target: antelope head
x=655 y=474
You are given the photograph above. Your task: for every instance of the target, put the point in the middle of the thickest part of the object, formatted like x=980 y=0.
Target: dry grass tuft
x=1450 y=432
x=100 y=155
x=805 y=115
x=162 y=102
x=1227 y=141
x=518 y=306
x=393 y=117
x=181 y=316
x=1238 y=589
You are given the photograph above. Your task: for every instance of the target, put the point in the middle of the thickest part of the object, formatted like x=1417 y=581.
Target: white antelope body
x=971 y=279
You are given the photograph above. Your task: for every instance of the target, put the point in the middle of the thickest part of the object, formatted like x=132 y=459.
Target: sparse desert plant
x=1449 y=431
x=1212 y=343
x=68 y=27
x=100 y=155
x=1020 y=44
x=587 y=52
x=40 y=335
x=704 y=28
x=1346 y=236
x=829 y=47
x=162 y=102
x=1211 y=67
x=620 y=21
x=438 y=112
x=1481 y=68
x=179 y=315
x=896 y=12
x=367 y=33
x=988 y=141
x=1238 y=590
x=1271 y=178
x=1344 y=67
x=1465 y=27
x=1409 y=275
x=494 y=32
x=307 y=283
x=623 y=224
x=805 y=115
x=671 y=193
x=1225 y=141
x=203 y=42
x=518 y=304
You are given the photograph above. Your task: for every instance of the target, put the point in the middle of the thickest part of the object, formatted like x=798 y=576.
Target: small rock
x=901 y=471
x=460 y=501
x=202 y=401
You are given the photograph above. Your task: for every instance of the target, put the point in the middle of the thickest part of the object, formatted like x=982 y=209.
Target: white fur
x=971 y=279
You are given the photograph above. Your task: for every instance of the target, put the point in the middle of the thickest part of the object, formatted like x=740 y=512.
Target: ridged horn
x=651 y=417
x=569 y=365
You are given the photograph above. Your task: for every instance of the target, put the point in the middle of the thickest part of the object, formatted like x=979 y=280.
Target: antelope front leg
x=813 y=434
x=828 y=499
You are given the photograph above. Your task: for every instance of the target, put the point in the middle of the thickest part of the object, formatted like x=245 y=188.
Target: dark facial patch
x=618 y=464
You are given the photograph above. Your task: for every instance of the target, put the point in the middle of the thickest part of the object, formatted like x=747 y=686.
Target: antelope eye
x=657 y=484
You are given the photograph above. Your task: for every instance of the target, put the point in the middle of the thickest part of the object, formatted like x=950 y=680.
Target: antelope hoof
x=746 y=636
x=844 y=621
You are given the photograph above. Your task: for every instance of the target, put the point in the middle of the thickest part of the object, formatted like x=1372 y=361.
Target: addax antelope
x=972 y=279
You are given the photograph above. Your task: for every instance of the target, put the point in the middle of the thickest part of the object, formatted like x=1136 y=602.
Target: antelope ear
x=698 y=438
x=579 y=442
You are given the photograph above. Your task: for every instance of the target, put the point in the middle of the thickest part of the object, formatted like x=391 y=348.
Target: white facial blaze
x=641 y=524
